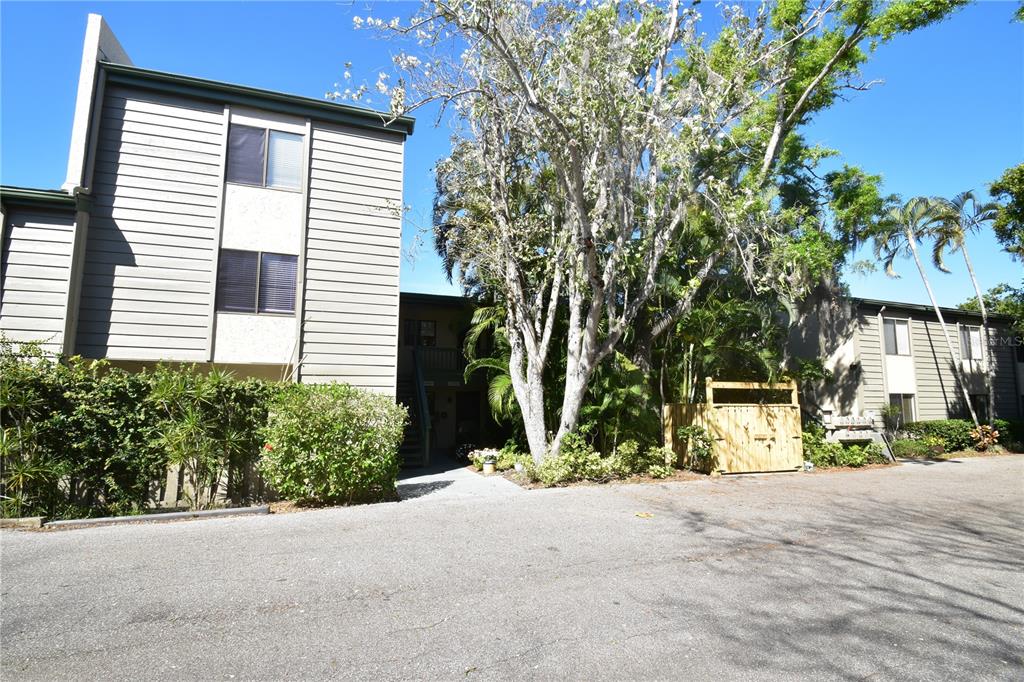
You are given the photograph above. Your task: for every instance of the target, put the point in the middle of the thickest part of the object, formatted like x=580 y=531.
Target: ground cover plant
x=824 y=454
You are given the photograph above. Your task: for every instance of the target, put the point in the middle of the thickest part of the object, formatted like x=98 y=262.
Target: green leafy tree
x=666 y=152
x=1002 y=299
x=1008 y=190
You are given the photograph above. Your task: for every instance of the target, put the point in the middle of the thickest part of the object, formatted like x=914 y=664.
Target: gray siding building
x=212 y=223
x=887 y=353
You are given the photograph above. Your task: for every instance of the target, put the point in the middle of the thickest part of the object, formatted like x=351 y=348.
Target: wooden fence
x=238 y=486
x=745 y=436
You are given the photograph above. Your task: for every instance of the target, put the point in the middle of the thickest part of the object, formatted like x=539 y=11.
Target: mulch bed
x=524 y=482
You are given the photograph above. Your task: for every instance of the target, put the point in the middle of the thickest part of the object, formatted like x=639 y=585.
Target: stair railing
x=420 y=396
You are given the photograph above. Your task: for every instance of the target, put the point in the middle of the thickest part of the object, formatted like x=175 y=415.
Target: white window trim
x=271 y=122
x=910 y=338
x=913 y=405
x=981 y=342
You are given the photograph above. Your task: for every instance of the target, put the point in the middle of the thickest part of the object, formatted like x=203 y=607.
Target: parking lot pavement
x=910 y=572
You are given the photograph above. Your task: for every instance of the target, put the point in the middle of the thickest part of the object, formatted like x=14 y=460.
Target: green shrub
x=824 y=454
x=332 y=443
x=954 y=434
x=913 y=448
x=74 y=436
x=859 y=455
x=629 y=460
x=577 y=461
x=1011 y=434
x=509 y=456
x=817 y=450
x=700 y=454
x=209 y=424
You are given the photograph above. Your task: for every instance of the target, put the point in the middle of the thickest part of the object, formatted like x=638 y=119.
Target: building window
x=254 y=282
x=897 y=336
x=905 y=402
x=970 y=343
x=264 y=158
x=419 y=333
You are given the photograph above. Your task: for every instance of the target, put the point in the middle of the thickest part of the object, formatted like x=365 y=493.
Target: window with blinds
x=277 y=283
x=246 y=149
x=264 y=158
x=283 y=157
x=236 y=281
x=254 y=282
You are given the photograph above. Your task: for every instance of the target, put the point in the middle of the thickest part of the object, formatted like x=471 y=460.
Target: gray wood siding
x=1005 y=379
x=938 y=393
x=353 y=244
x=37 y=249
x=869 y=348
x=150 y=252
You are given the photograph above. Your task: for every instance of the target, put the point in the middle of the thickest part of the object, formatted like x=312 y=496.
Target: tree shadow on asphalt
x=810 y=598
x=410 y=491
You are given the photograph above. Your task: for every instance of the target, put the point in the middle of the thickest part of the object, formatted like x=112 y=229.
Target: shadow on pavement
x=918 y=559
x=410 y=491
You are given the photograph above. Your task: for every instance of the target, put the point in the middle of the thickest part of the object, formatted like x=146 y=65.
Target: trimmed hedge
x=955 y=434
x=81 y=438
x=75 y=437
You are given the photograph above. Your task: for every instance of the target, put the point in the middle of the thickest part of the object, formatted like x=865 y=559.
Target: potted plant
x=490 y=463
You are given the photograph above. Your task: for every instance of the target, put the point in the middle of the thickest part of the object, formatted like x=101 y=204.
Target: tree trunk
x=528 y=388
x=575 y=391
x=989 y=364
x=953 y=355
x=644 y=341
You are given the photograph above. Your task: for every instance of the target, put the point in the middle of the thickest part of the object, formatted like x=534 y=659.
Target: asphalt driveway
x=912 y=572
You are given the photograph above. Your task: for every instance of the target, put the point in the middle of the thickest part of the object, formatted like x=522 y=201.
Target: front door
x=467 y=418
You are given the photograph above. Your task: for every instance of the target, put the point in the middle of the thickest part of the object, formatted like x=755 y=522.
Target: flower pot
x=488 y=468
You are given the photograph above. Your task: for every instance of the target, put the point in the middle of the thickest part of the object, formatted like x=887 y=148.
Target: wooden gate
x=746 y=436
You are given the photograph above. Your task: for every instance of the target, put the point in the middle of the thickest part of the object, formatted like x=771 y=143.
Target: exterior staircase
x=412 y=448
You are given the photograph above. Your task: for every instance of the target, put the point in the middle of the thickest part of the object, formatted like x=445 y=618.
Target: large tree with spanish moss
x=603 y=146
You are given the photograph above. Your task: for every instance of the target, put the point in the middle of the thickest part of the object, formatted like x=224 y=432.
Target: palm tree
x=491 y=319
x=960 y=216
x=897 y=235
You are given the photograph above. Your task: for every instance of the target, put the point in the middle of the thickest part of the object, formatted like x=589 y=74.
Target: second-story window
x=970 y=343
x=263 y=157
x=419 y=333
x=897 y=336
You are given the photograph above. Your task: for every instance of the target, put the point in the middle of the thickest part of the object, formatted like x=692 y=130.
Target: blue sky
x=949 y=116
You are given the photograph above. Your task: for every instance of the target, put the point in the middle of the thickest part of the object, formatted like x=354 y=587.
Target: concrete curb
x=23 y=523
x=158 y=518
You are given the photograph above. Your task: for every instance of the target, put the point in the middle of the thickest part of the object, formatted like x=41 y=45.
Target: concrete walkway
x=446 y=479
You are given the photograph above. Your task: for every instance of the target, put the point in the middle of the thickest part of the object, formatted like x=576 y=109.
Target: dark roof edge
x=927 y=308
x=49 y=198
x=269 y=100
x=440 y=299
